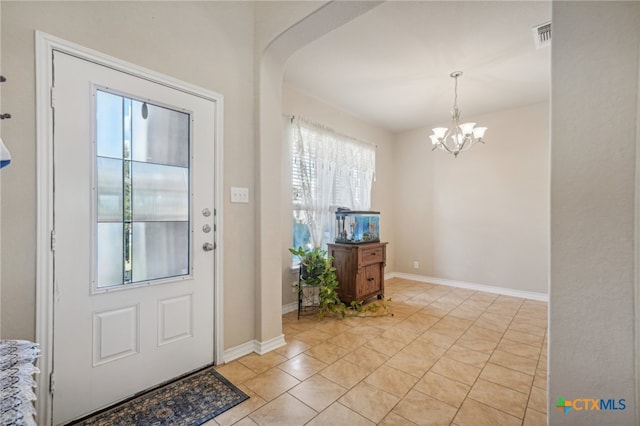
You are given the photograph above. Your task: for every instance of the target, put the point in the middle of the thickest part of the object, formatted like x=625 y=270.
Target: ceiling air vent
x=542 y=35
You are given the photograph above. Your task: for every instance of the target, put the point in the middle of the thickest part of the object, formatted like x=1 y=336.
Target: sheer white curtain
x=329 y=170
x=357 y=171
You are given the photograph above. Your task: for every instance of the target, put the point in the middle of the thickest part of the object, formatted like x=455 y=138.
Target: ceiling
x=391 y=65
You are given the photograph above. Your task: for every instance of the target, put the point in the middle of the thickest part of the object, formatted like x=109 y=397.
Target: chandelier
x=460 y=137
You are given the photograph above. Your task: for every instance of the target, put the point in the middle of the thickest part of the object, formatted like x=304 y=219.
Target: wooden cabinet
x=359 y=269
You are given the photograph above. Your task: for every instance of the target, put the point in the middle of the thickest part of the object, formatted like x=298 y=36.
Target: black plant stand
x=308 y=297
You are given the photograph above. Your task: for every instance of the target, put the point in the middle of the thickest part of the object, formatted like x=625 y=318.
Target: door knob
x=208 y=246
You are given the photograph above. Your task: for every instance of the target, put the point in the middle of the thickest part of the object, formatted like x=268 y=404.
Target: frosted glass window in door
x=159 y=192
x=160 y=250
x=142 y=170
x=110 y=189
x=160 y=135
x=110 y=259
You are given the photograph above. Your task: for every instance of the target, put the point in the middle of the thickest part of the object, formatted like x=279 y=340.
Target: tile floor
x=447 y=356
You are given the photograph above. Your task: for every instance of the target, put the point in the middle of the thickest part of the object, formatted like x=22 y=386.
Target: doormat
x=188 y=401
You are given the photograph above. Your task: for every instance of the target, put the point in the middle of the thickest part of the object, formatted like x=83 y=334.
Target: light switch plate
x=239 y=195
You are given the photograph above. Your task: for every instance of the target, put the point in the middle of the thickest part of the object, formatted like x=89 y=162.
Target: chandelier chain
x=455 y=91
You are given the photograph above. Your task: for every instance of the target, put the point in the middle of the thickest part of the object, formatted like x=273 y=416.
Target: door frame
x=45 y=44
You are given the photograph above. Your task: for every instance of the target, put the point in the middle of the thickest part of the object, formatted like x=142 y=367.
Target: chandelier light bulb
x=460 y=137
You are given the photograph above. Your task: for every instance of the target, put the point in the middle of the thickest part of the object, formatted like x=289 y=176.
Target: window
x=329 y=170
x=142 y=193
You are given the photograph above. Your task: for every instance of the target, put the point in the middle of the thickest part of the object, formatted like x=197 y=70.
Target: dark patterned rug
x=189 y=401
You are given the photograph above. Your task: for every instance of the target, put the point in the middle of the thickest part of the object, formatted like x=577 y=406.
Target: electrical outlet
x=239 y=195
x=416 y=264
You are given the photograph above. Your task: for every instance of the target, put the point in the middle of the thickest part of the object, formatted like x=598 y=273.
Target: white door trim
x=45 y=44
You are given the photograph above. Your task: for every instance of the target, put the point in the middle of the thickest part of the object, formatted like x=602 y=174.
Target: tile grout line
x=537 y=361
x=420 y=308
x=485 y=364
x=440 y=357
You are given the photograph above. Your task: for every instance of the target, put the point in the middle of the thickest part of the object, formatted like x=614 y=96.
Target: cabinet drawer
x=371 y=283
x=373 y=255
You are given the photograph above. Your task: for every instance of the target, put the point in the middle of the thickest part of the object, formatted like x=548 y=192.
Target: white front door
x=134 y=234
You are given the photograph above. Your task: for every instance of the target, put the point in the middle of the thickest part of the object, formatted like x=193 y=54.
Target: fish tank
x=356 y=227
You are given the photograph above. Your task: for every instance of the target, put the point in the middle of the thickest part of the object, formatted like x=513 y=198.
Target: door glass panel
x=109 y=124
x=163 y=199
x=110 y=189
x=110 y=260
x=142 y=194
x=160 y=249
x=162 y=137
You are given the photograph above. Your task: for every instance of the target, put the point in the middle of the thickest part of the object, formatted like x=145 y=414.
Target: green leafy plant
x=316 y=270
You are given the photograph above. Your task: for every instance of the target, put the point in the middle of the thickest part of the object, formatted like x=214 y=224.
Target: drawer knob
x=370 y=279
x=373 y=254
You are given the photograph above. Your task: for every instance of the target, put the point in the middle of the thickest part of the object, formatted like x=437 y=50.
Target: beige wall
x=209 y=44
x=594 y=135
x=482 y=217
x=296 y=103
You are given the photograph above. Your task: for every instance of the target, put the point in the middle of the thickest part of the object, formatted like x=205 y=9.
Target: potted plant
x=317 y=271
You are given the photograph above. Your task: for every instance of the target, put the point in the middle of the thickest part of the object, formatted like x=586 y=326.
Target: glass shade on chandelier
x=460 y=137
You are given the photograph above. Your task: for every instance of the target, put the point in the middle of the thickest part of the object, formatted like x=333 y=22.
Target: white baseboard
x=472 y=286
x=251 y=346
x=290 y=307
x=271 y=344
x=239 y=351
